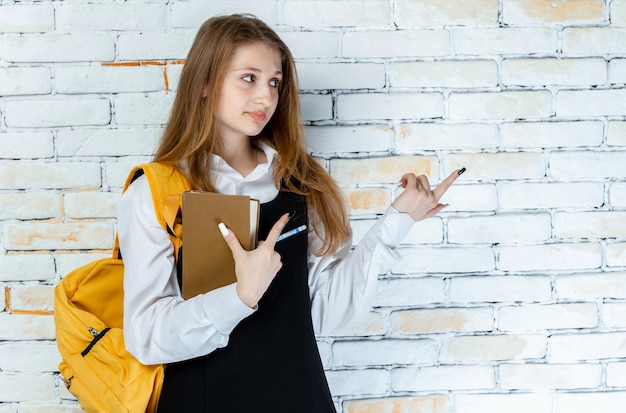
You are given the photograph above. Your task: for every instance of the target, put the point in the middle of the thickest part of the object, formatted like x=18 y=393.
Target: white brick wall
x=512 y=300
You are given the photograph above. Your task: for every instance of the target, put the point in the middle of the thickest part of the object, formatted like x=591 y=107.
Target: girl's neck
x=243 y=157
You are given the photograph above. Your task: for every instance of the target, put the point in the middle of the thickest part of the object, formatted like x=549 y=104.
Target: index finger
x=275 y=232
x=408 y=179
x=445 y=184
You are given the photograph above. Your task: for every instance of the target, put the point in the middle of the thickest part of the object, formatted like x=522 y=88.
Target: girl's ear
x=205 y=91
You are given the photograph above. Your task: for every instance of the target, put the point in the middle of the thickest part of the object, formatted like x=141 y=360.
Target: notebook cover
x=207 y=260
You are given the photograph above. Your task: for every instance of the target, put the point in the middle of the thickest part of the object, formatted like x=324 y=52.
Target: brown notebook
x=207 y=260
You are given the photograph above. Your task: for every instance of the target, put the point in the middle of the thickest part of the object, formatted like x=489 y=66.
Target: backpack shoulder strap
x=167 y=183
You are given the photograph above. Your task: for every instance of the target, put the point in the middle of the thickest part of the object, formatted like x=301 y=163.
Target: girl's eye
x=248 y=78
x=274 y=82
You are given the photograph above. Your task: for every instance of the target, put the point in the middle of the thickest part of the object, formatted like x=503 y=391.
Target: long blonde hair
x=191 y=133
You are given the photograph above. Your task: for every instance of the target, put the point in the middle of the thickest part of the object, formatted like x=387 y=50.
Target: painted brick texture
x=513 y=299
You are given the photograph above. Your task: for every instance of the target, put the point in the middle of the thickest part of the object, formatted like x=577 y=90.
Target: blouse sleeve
x=342 y=285
x=159 y=325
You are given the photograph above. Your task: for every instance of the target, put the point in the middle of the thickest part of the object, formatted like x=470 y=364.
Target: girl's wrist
x=245 y=298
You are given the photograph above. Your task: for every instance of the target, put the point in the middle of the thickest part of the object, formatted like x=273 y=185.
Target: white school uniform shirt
x=161 y=327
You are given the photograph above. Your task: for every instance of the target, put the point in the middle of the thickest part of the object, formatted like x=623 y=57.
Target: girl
x=235 y=128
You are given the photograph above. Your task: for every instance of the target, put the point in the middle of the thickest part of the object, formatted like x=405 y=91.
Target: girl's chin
x=255 y=133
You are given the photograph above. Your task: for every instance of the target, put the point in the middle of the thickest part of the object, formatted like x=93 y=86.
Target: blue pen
x=292 y=232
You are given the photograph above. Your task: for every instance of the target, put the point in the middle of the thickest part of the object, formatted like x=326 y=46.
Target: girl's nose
x=263 y=94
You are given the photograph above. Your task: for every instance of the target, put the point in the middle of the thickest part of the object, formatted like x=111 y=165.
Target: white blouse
x=161 y=327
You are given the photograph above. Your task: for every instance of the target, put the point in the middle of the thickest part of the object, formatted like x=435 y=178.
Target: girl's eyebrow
x=256 y=70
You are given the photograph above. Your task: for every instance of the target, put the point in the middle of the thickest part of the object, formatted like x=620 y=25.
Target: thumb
x=230 y=238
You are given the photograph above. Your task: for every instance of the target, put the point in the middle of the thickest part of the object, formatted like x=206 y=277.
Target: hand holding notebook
x=207 y=261
x=257 y=268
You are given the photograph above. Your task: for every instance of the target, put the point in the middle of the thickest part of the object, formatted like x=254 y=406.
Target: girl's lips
x=258 y=115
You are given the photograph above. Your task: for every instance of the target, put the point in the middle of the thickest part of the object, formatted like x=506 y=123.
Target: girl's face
x=249 y=91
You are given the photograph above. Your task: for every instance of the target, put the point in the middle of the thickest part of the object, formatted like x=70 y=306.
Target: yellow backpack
x=88 y=314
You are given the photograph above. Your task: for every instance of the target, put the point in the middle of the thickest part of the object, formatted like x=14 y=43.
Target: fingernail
x=461 y=171
x=223 y=229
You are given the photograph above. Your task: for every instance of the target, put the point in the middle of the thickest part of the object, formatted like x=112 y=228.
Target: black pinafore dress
x=271 y=363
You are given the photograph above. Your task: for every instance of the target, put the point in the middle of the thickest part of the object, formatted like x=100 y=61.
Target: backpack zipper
x=96 y=337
